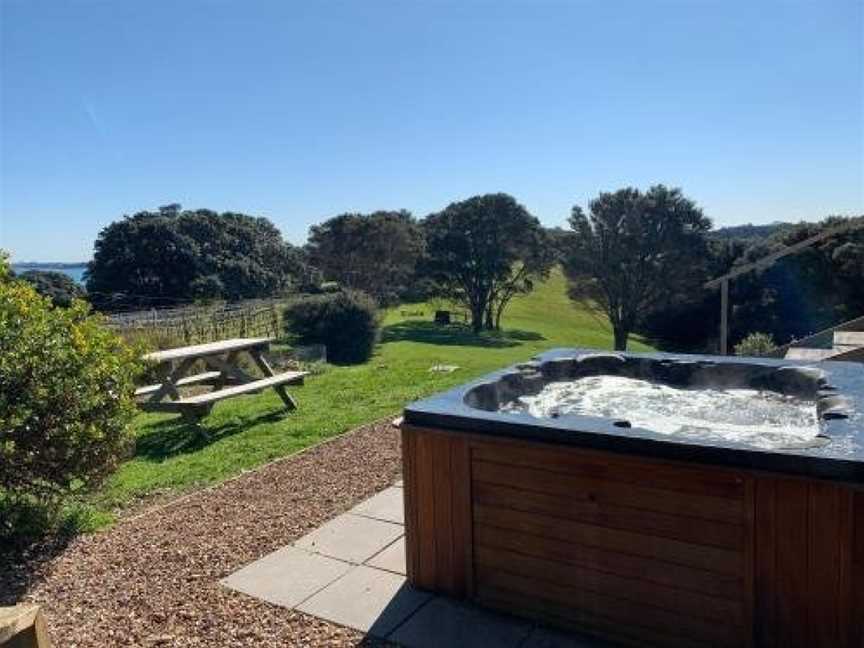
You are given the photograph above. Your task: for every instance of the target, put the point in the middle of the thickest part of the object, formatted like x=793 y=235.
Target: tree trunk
x=490 y=324
x=621 y=334
x=477 y=315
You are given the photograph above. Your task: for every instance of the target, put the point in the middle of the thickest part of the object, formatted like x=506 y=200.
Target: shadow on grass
x=455 y=335
x=171 y=437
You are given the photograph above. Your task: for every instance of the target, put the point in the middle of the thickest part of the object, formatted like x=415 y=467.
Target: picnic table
x=224 y=374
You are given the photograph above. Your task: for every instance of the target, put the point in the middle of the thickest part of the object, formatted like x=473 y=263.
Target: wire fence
x=172 y=327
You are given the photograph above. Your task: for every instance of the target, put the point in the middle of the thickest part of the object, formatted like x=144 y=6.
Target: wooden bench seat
x=202 y=378
x=203 y=402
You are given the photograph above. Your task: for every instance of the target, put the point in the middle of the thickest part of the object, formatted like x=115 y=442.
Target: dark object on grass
x=346 y=323
x=442 y=317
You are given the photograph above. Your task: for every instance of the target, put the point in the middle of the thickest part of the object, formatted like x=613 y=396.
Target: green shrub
x=756 y=344
x=66 y=399
x=346 y=323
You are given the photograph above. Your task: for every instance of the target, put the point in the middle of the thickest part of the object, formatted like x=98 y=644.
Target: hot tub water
x=763 y=419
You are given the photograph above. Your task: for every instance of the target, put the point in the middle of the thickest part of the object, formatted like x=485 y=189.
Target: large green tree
x=485 y=250
x=633 y=252
x=168 y=256
x=376 y=253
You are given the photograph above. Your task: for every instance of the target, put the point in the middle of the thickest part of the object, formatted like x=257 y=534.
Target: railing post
x=724 y=317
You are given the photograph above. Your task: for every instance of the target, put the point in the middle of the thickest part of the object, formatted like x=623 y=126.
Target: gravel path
x=152 y=580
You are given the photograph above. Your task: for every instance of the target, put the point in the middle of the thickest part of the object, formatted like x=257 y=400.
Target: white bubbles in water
x=758 y=418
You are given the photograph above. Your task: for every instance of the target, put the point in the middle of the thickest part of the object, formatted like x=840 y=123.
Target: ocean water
x=77 y=273
x=758 y=418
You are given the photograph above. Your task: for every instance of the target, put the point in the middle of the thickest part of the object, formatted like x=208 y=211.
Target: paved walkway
x=351 y=571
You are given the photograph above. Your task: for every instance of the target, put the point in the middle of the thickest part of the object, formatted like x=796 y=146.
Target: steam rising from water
x=758 y=418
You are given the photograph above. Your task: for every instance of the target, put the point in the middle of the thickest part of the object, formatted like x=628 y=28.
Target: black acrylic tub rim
x=841 y=459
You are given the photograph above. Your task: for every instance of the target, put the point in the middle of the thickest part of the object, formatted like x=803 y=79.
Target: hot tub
x=650 y=499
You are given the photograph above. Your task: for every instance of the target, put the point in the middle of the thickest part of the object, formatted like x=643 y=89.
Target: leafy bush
x=66 y=399
x=755 y=344
x=346 y=322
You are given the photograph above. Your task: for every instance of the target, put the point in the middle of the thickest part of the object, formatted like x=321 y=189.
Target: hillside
x=748 y=232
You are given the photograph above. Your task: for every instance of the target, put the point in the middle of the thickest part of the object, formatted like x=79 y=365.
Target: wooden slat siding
x=765 y=608
x=829 y=544
x=409 y=501
x=463 y=526
x=426 y=537
x=635 y=590
x=655 y=473
x=613 y=608
x=805 y=571
x=792 y=563
x=438 y=528
x=719 y=534
x=795 y=578
x=748 y=554
x=687 y=579
x=582 y=621
x=713 y=559
x=640 y=548
x=857 y=576
x=443 y=514
x=606 y=492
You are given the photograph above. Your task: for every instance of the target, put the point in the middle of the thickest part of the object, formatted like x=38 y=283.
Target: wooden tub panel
x=642 y=551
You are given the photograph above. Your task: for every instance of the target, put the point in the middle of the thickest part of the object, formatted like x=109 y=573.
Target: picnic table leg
x=229 y=370
x=267 y=370
x=169 y=375
x=193 y=419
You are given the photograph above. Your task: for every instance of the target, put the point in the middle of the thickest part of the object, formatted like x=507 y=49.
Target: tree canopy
x=60 y=288
x=634 y=252
x=376 y=253
x=800 y=294
x=168 y=256
x=485 y=250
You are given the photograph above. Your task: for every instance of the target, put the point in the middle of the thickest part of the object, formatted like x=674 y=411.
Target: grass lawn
x=252 y=430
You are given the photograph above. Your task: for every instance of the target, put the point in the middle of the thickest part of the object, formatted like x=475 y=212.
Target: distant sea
x=74 y=271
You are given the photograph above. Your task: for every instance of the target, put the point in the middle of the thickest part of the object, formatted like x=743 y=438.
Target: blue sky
x=299 y=111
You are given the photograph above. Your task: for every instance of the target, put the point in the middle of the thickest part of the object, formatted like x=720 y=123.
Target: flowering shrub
x=756 y=344
x=66 y=397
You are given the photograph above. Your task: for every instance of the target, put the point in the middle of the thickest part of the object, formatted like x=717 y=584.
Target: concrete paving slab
x=547 y=638
x=286 y=577
x=352 y=538
x=370 y=600
x=391 y=558
x=444 y=622
x=387 y=505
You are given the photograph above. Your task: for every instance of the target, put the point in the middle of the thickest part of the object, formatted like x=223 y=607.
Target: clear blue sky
x=299 y=111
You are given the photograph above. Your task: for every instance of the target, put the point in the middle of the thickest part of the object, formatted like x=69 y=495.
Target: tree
x=168 y=256
x=634 y=252
x=60 y=288
x=483 y=251
x=376 y=253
